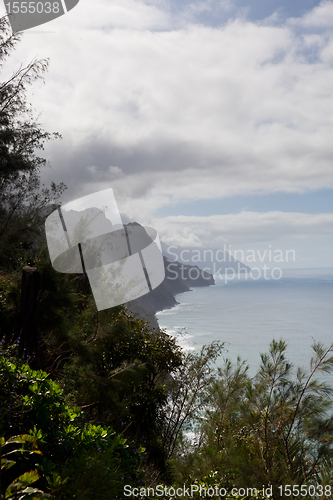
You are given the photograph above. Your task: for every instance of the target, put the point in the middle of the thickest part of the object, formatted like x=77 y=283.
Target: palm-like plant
x=19 y=488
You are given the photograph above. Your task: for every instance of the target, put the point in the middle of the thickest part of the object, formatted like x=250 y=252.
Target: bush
x=75 y=458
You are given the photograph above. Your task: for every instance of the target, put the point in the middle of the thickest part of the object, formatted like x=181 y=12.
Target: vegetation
x=22 y=200
x=274 y=429
x=99 y=401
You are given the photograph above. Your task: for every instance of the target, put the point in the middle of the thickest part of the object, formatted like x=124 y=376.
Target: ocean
x=247 y=314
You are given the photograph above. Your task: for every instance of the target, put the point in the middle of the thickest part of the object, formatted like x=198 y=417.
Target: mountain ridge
x=179 y=278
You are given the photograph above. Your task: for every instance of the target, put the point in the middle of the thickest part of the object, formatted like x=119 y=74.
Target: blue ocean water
x=247 y=314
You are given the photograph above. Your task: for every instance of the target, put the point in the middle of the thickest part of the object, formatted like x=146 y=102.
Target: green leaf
x=22 y=439
x=22 y=482
x=7 y=464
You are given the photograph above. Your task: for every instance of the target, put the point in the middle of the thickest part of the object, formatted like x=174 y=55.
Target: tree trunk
x=29 y=291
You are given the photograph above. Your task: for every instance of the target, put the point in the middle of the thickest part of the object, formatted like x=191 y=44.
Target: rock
x=178 y=278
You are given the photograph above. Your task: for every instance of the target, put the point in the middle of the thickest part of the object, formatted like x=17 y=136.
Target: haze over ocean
x=247 y=314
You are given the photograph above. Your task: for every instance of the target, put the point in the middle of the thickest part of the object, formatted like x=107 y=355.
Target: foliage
x=20 y=488
x=274 y=429
x=23 y=202
x=119 y=376
x=110 y=364
x=31 y=400
x=33 y=403
x=187 y=392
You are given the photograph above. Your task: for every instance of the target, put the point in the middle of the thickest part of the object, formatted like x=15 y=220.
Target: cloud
x=320 y=16
x=242 y=228
x=185 y=113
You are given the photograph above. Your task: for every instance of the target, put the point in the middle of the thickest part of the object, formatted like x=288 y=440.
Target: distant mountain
x=178 y=278
x=184 y=268
x=215 y=262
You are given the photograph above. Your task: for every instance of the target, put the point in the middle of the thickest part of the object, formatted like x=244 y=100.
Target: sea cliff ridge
x=179 y=278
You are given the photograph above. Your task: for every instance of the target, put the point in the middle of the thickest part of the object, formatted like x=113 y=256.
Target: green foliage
x=30 y=400
x=60 y=309
x=23 y=201
x=109 y=364
x=118 y=374
x=187 y=393
x=20 y=487
x=102 y=468
x=274 y=429
x=33 y=403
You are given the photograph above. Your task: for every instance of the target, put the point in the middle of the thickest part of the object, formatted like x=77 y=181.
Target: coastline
x=179 y=278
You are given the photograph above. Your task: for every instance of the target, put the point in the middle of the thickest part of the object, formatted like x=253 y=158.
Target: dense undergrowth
x=103 y=403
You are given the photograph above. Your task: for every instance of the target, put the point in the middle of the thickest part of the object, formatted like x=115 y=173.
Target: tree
x=187 y=393
x=292 y=431
x=275 y=429
x=23 y=200
x=117 y=371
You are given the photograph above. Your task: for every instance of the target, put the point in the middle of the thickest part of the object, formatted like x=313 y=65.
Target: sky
x=211 y=120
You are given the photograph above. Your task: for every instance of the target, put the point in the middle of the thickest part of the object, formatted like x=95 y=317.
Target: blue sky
x=315 y=202
x=211 y=120
x=255 y=10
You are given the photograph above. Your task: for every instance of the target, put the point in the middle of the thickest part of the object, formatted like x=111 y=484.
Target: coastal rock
x=178 y=278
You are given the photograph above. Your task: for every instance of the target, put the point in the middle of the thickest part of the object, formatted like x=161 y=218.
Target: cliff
x=178 y=278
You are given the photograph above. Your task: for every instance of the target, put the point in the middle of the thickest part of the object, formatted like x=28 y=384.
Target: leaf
x=29 y=477
x=22 y=482
x=22 y=439
x=33 y=494
x=7 y=464
x=22 y=450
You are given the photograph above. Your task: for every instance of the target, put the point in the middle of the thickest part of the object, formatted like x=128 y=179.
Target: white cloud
x=235 y=109
x=184 y=112
x=109 y=14
x=321 y=16
x=242 y=228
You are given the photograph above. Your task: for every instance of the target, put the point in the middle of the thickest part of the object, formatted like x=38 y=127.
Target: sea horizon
x=248 y=314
